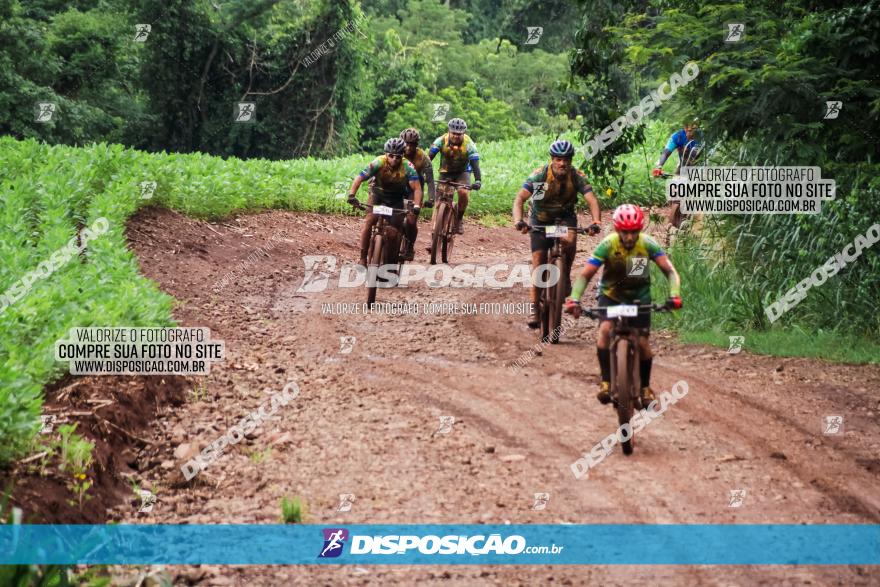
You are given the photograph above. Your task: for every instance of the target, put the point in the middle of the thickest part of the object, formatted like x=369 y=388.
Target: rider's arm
x=416 y=188
x=590 y=268
x=428 y=172
x=671 y=274
x=356 y=185
x=475 y=163
x=671 y=145
x=587 y=190
x=435 y=148
x=521 y=196
x=663 y=157
x=580 y=284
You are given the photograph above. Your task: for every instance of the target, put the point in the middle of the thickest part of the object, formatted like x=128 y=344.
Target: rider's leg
x=465 y=178
x=539 y=257
x=645 y=363
x=411 y=230
x=462 y=206
x=369 y=220
x=603 y=341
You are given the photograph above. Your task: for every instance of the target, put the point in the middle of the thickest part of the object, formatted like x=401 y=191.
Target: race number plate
x=557 y=231
x=623 y=310
x=382 y=210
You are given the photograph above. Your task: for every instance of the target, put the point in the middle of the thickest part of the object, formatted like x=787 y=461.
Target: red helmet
x=628 y=217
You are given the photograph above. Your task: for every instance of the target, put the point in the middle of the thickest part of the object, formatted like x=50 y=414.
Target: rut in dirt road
x=374 y=389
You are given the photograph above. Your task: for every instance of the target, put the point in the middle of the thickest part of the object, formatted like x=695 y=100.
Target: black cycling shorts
x=540 y=242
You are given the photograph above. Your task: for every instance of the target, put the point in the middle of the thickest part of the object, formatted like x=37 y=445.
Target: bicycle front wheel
x=623 y=388
x=557 y=300
x=373 y=261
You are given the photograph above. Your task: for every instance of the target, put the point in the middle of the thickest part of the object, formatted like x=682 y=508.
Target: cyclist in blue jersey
x=687 y=141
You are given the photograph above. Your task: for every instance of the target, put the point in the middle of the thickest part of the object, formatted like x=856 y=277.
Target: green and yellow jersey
x=391 y=186
x=554 y=197
x=455 y=159
x=419 y=161
x=626 y=276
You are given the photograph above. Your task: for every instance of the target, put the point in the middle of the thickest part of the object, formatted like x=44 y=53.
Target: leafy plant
x=75 y=459
x=293 y=510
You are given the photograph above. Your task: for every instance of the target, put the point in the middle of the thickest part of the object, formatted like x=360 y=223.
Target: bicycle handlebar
x=596 y=312
x=458 y=185
x=577 y=229
x=360 y=206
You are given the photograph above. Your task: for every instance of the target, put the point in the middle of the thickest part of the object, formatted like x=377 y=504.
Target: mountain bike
x=625 y=357
x=689 y=157
x=443 y=220
x=552 y=298
x=383 y=239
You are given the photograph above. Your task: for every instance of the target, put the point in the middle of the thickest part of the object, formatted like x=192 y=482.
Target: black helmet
x=410 y=135
x=457 y=125
x=395 y=146
x=562 y=148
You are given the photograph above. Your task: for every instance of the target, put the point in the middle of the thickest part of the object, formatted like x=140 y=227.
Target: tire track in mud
x=366 y=421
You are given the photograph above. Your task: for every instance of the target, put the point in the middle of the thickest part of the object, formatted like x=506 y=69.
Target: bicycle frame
x=552 y=297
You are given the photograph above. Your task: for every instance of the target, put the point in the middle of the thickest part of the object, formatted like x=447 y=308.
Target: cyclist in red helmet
x=626 y=278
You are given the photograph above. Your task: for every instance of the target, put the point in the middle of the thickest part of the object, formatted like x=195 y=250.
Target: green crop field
x=50 y=193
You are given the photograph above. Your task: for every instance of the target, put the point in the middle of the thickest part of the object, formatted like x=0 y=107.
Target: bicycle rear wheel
x=374 y=260
x=622 y=388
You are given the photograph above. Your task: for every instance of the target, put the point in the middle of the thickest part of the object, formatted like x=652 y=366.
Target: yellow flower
x=609 y=192
x=81 y=476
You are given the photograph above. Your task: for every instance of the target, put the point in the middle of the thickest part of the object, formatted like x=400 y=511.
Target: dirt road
x=366 y=422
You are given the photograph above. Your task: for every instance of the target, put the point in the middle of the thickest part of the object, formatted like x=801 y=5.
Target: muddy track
x=367 y=421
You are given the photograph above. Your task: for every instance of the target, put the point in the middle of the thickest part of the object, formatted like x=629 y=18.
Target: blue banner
x=472 y=544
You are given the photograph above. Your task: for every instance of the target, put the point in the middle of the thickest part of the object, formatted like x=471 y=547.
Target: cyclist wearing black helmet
x=391 y=179
x=553 y=189
x=458 y=155
x=423 y=167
